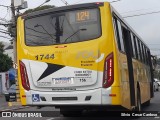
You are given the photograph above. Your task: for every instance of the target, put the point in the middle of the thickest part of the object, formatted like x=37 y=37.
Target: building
x=9 y=75
x=4 y=82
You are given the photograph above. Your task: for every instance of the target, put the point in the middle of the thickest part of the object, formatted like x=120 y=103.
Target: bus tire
x=139 y=106
x=147 y=103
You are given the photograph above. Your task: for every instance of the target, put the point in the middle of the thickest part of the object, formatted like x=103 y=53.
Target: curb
x=17 y=108
x=12 y=104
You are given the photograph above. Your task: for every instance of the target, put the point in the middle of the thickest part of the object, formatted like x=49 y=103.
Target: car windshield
x=13 y=87
x=63 y=27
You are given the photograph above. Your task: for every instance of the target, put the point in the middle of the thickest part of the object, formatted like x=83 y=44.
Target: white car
x=10 y=95
x=155 y=86
x=157 y=81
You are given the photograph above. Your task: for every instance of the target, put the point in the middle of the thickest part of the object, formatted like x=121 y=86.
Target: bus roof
x=63 y=8
x=80 y=6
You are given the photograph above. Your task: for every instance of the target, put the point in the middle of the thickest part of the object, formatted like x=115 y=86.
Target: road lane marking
x=157 y=117
x=9 y=104
x=50 y=119
x=6 y=110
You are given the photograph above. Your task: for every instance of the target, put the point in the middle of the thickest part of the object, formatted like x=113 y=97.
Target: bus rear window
x=63 y=27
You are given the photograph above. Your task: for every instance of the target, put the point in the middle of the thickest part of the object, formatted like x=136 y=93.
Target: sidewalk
x=12 y=108
x=9 y=106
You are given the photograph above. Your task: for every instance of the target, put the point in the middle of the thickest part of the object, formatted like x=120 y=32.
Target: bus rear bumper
x=98 y=96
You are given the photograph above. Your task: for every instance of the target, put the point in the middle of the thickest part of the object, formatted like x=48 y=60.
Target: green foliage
x=157 y=72
x=158 y=61
x=5 y=60
x=1 y=47
x=39 y=8
x=5 y=63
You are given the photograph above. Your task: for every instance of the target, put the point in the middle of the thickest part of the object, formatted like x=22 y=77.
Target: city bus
x=81 y=57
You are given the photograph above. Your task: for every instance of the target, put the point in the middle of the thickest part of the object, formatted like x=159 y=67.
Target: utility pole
x=13 y=21
x=13 y=30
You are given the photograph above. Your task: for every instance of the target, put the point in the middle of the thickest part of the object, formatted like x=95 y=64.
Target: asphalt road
x=55 y=115
x=3 y=102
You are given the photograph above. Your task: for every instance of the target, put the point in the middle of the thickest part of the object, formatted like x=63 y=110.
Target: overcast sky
x=147 y=26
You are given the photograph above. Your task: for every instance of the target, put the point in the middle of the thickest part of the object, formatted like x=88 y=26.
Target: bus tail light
x=24 y=76
x=108 y=75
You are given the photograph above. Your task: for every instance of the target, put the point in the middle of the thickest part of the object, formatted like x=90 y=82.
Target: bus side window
x=133 y=46
x=120 y=36
x=138 y=50
x=147 y=57
x=145 y=50
x=126 y=34
x=116 y=32
x=144 y=58
x=140 y=53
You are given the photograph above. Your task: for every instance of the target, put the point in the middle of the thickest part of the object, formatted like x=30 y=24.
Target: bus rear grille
x=64 y=98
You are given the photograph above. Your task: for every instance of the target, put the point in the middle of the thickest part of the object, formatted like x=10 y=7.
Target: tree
x=1 y=47
x=38 y=9
x=5 y=61
x=157 y=70
x=158 y=61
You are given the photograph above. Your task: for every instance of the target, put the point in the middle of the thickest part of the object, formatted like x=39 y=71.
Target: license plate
x=12 y=96
x=62 y=81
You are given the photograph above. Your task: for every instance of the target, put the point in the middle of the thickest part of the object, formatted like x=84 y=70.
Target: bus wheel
x=147 y=103
x=139 y=106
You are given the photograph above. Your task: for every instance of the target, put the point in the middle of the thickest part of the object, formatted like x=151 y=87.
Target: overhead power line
x=155 y=49
x=115 y=1
x=148 y=9
x=5 y=24
x=3 y=19
x=77 y=1
x=4 y=32
x=154 y=12
x=65 y=2
x=43 y=3
x=5 y=6
x=5 y=37
x=153 y=44
x=97 y=0
x=6 y=13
